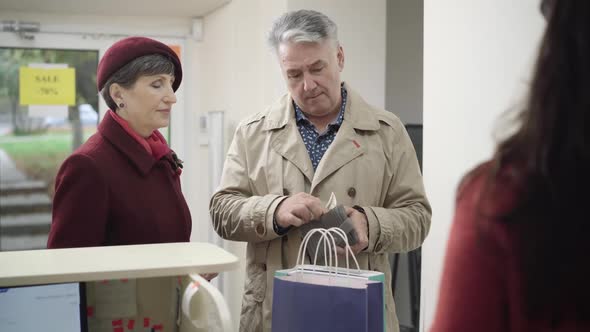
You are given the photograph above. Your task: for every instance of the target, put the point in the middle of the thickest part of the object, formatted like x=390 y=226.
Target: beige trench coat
x=371 y=163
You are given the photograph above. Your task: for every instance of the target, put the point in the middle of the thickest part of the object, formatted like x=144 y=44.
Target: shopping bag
x=300 y=305
x=327 y=298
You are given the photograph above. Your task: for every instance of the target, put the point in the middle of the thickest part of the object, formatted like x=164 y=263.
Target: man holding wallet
x=320 y=143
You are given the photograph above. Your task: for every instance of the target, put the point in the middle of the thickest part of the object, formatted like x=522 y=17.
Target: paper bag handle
x=326 y=238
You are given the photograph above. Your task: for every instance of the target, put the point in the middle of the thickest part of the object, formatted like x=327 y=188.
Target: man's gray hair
x=302 y=26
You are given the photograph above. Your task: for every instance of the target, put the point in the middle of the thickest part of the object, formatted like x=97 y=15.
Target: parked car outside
x=88 y=117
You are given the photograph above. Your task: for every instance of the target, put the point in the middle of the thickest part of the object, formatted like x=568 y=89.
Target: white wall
x=477 y=59
x=405 y=31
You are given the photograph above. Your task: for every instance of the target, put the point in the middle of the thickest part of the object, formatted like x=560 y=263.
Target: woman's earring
x=121 y=105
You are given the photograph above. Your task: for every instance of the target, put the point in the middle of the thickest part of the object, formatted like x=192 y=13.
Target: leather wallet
x=335 y=217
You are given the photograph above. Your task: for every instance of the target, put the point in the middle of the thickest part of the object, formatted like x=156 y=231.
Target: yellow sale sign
x=47 y=86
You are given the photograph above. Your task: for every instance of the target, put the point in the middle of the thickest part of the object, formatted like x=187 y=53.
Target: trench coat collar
x=116 y=135
x=287 y=141
x=357 y=111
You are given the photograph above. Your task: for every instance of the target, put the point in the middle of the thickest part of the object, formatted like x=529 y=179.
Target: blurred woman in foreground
x=517 y=257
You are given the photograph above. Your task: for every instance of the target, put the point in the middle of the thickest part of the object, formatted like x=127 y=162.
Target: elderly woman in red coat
x=122 y=186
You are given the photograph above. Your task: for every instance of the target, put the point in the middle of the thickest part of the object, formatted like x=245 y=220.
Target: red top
x=111 y=191
x=481 y=283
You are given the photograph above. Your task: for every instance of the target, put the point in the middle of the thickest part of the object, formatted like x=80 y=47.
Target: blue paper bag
x=309 y=303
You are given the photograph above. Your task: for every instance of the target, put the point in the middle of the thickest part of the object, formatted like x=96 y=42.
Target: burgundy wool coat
x=111 y=191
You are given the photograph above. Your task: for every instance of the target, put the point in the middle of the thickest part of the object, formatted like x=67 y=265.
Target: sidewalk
x=5 y=128
x=8 y=171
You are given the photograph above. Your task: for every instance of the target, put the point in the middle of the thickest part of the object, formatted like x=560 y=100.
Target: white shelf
x=47 y=266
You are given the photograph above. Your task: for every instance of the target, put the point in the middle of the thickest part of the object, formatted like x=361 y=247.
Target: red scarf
x=155 y=144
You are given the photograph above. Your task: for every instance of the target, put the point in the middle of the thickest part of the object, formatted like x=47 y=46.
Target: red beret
x=129 y=49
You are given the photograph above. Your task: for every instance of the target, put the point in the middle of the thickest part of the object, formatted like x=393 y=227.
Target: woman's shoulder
x=96 y=150
x=96 y=147
x=492 y=187
x=485 y=199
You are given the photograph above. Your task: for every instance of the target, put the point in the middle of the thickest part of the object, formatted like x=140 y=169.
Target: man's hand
x=361 y=227
x=299 y=209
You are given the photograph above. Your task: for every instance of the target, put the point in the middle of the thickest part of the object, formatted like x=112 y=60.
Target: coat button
x=286 y=192
x=260 y=229
x=351 y=192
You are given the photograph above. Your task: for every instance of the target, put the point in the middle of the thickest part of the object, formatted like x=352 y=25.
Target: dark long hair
x=551 y=160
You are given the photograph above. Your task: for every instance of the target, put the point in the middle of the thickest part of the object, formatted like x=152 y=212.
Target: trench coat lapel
x=347 y=145
x=344 y=149
x=287 y=140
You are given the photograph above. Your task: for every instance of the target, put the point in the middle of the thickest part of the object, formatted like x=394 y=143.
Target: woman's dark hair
x=550 y=160
x=146 y=65
x=546 y=6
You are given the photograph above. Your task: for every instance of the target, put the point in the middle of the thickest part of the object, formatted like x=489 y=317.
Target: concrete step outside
x=22 y=188
x=25 y=224
x=24 y=203
x=24 y=242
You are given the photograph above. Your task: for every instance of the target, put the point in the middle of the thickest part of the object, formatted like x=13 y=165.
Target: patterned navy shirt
x=317 y=144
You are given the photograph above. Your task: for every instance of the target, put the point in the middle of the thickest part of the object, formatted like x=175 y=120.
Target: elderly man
x=320 y=138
